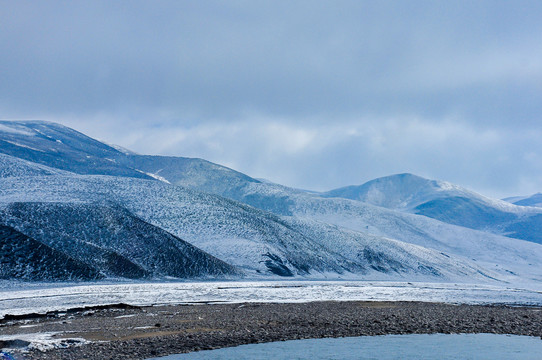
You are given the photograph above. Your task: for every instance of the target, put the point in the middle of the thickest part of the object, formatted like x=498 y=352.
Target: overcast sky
x=311 y=94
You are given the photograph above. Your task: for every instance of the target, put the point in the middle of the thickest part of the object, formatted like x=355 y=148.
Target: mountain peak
x=395 y=191
x=17 y=125
x=60 y=147
x=533 y=200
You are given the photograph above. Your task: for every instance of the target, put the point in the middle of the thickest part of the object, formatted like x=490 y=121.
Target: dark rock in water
x=13 y=344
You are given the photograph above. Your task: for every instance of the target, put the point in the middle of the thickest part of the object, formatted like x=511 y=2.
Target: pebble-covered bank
x=139 y=333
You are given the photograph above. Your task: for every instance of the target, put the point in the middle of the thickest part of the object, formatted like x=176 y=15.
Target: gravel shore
x=124 y=332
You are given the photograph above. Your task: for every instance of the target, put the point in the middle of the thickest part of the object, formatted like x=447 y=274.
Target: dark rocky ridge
x=105 y=239
x=25 y=258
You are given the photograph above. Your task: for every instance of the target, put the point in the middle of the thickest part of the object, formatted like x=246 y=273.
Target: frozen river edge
x=146 y=298
x=25 y=298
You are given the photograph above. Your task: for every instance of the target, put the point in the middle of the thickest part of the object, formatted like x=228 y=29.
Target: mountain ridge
x=110 y=240
x=532 y=200
x=446 y=202
x=266 y=228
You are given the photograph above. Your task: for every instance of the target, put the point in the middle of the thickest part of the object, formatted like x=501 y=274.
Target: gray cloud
x=315 y=94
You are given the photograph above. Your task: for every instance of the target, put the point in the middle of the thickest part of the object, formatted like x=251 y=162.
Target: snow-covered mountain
x=24 y=258
x=258 y=242
x=400 y=192
x=533 y=200
x=448 y=203
x=110 y=240
x=410 y=195
x=405 y=192
x=258 y=227
x=14 y=167
x=60 y=147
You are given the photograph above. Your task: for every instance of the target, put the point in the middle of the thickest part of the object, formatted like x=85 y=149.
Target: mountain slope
x=401 y=191
x=111 y=240
x=62 y=148
x=196 y=173
x=24 y=258
x=297 y=233
x=255 y=240
x=13 y=167
x=448 y=203
x=533 y=200
x=486 y=214
x=405 y=192
x=490 y=251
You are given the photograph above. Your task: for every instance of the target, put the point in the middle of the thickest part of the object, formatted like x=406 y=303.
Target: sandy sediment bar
x=143 y=332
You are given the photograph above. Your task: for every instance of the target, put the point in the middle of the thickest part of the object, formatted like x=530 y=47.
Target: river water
x=435 y=346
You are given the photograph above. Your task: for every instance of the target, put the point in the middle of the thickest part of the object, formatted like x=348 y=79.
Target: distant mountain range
x=533 y=200
x=448 y=203
x=72 y=207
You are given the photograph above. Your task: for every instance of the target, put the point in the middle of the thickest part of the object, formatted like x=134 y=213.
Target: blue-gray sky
x=312 y=94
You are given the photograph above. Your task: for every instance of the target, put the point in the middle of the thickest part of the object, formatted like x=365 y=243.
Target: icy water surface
x=22 y=298
x=436 y=346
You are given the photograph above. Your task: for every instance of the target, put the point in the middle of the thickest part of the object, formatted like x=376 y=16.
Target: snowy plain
x=32 y=298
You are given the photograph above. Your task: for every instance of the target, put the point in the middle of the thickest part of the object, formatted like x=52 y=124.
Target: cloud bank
x=313 y=94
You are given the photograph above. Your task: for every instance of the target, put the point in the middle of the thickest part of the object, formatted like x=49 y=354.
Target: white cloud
x=305 y=93
x=321 y=155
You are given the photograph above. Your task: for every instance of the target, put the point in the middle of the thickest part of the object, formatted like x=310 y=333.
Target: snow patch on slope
x=155 y=176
